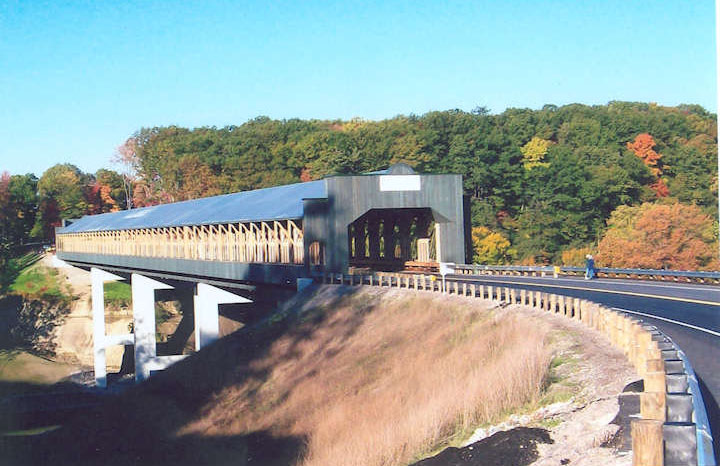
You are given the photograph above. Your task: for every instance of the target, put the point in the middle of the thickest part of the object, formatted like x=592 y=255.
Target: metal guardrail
x=685 y=436
x=689 y=275
x=705 y=452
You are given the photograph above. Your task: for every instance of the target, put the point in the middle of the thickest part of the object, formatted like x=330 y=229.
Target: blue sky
x=78 y=78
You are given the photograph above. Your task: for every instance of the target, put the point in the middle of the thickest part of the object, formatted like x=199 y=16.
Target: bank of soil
x=578 y=421
x=570 y=423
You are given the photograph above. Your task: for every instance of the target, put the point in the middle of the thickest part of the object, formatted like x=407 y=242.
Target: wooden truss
x=269 y=242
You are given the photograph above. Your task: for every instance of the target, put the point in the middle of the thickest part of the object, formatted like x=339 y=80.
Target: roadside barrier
x=673 y=428
x=606 y=272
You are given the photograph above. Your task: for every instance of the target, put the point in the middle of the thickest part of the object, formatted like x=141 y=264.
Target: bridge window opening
x=317 y=253
x=392 y=239
x=351 y=240
x=381 y=239
x=397 y=253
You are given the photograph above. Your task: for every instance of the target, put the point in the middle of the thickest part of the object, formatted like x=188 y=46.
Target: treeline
x=545 y=185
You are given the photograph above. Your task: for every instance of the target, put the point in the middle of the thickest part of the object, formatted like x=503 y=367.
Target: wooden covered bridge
x=387 y=220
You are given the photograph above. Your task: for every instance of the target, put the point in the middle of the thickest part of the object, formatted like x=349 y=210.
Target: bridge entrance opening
x=394 y=239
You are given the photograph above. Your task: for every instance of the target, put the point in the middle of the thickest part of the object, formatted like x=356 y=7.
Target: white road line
x=683 y=324
x=508 y=281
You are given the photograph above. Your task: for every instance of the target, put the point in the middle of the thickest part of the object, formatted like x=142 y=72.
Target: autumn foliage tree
x=534 y=153
x=490 y=247
x=659 y=236
x=643 y=147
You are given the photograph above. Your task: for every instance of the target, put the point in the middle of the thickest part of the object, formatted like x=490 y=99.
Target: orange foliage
x=654 y=236
x=305 y=175
x=643 y=148
x=660 y=188
x=99 y=199
x=107 y=198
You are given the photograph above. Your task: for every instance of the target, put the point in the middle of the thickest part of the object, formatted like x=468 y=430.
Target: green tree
x=61 y=191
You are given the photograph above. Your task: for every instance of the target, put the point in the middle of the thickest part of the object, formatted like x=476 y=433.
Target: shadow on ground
x=141 y=425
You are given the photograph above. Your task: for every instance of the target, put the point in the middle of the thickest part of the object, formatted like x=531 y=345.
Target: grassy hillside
x=345 y=377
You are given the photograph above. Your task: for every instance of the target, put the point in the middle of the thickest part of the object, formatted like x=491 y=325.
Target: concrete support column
x=207 y=324
x=98 y=278
x=143 y=297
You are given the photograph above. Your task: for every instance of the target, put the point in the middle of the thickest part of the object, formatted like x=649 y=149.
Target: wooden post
x=523 y=295
x=490 y=293
x=464 y=289
x=647 y=443
x=553 y=303
x=655 y=365
x=455 y=287
x=576 y=308
x=472 y=290
x=654 y=382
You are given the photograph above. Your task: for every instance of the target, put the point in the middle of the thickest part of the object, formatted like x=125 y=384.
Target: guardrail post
x=647 y=443
x=562 y=305
x=553 y=303
x=576 y=308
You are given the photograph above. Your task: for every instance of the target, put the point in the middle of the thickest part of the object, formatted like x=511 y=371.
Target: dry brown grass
x=383 y=378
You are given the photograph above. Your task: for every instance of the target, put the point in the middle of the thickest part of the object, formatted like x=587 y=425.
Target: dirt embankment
x=73 y=338
x=368 y=376
x=577 y=422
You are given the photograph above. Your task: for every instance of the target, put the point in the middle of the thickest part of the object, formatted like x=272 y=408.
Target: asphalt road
x=687 y=313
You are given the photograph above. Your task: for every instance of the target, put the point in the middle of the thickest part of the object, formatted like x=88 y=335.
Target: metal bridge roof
x=278 y=203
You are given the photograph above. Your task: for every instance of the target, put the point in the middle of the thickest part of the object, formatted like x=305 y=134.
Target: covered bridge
x=386 y=220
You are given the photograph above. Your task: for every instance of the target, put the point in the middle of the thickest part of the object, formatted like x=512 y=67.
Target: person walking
x=589 y=267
